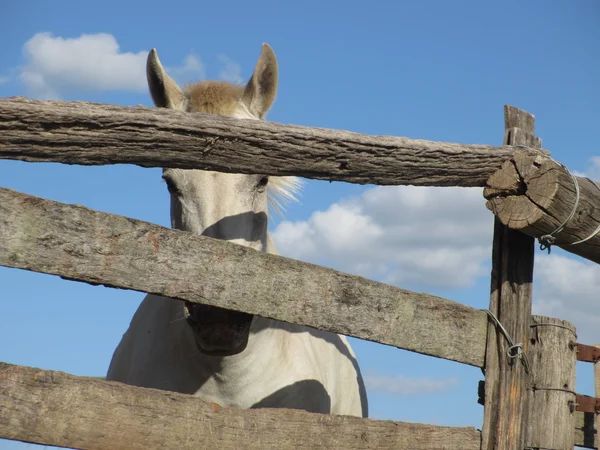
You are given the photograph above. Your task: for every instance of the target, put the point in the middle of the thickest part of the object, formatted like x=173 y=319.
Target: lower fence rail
x=55 y=408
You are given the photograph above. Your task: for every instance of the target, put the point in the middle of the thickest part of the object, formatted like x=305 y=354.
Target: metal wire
x=520 y=353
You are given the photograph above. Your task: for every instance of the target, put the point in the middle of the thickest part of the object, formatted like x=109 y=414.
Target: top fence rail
x=98 y=134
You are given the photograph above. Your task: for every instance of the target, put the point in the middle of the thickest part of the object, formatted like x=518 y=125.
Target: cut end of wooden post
x=521 y=189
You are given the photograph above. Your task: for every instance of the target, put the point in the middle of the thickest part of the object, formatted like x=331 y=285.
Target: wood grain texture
x=506 y=380
x=55 y=408
x=534 y=194
x=552 y=392
x=82 y=244
x=585 y=431
x=95 y=134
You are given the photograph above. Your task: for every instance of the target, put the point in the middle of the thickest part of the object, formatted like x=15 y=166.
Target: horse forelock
x=214 y=97
x=224 y=99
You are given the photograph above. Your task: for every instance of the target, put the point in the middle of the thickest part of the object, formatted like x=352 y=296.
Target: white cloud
x=403 y=385
x=436 y=236
x=231 y=71
x=593 y=172
x=192 y=70
x=91 y=62
x=567 y=289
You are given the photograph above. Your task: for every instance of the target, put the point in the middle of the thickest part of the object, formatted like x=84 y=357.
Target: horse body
x=227 y=357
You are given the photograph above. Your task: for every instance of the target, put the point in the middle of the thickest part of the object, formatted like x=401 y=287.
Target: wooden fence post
x=507 y=379
x=553 y=356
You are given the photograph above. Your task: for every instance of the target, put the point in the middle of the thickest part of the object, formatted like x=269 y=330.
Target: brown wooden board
x=55 y=408
x=96 y=134
x=81 y=244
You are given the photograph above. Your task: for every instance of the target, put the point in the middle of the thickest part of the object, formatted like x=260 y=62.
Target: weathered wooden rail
x=529 y=401
x=81 y=244
x=110 y=415
x=535 y=195
x=95 y=134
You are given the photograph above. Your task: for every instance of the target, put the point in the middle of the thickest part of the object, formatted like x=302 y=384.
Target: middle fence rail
x=81 y=244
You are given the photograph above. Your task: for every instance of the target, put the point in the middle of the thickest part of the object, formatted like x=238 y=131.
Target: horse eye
x=170 y=185
x=263 y=181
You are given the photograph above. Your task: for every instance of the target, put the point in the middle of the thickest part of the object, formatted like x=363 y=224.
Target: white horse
x=227 y=357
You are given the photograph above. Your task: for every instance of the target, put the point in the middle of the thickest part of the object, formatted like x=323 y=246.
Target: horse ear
x=261 y=90
x=164 y=91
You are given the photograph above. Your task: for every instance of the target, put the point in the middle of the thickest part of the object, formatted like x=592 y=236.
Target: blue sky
x=432 y=70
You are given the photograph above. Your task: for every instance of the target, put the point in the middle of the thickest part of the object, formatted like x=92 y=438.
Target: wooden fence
x=529 y=361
